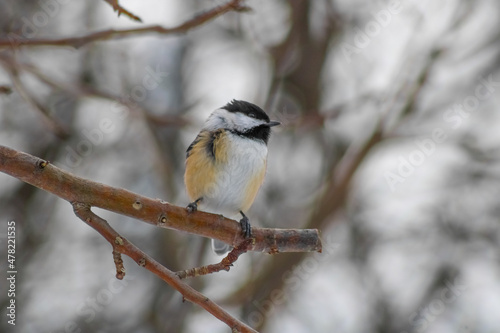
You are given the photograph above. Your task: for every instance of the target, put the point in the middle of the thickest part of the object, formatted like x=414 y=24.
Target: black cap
x=246 y=108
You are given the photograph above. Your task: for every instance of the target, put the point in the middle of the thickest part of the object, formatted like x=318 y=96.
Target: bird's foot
x=246 y=228
x=193 y=206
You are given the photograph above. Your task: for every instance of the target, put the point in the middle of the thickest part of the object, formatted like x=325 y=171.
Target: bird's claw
x=192 y=207
x=246 y=228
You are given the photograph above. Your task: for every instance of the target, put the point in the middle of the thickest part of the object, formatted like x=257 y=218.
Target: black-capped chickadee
x=226 y=163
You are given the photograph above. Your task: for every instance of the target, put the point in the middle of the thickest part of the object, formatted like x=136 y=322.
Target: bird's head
x=242 y=118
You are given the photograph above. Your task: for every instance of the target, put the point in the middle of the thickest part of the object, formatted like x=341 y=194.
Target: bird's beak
x=273 y=123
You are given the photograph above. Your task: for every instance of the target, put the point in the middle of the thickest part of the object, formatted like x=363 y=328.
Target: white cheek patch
x=230 y=120
x=243 y=122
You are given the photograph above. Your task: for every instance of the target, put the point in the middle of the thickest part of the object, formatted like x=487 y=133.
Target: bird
x=226 y=163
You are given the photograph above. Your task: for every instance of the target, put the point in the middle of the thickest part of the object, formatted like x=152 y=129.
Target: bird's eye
x=251 y=115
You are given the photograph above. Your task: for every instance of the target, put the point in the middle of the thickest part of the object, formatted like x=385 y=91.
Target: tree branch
x=83 y=194
x=71 y=188
x=14 y=40
x=55 y=127
x=224 y=265
x=121 y=245
x=86 y=91
x=117 y=8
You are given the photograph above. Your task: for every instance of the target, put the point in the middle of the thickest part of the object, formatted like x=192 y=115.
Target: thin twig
x=120 y=269
x=117 y=8
x=85 y=91
x=4 y=89
x=121 y=245
x=224 y=265
x=53 y=125
x=15 y=41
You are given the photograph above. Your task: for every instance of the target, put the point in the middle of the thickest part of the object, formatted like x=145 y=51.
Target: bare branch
x=71 y=188
x=224 y=265
x=120 y=269
x=76 y=42
x=117 y=8
x=85 y=91
x=121 y=245
x=4 y=89
x=54 y=126
x=83 y=194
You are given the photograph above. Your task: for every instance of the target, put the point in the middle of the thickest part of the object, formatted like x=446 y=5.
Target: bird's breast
x=240 y=172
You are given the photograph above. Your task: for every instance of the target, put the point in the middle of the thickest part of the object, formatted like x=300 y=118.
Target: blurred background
x=389 y=145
